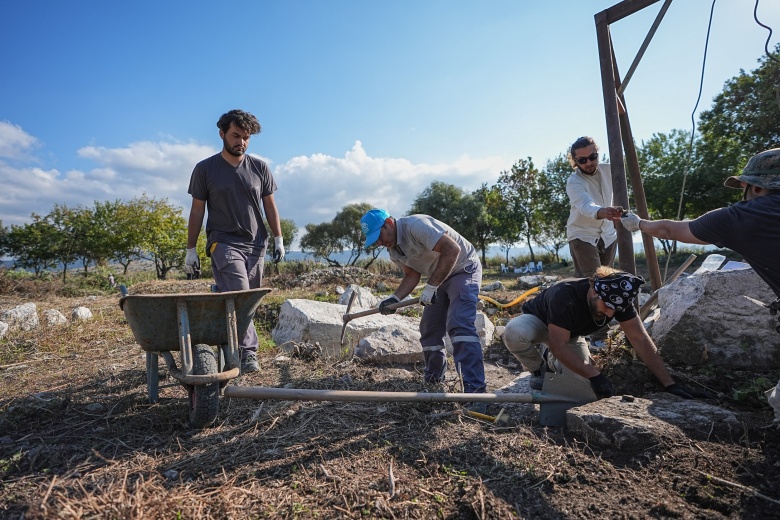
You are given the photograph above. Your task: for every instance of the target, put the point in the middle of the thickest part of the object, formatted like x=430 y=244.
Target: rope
x=766 y=49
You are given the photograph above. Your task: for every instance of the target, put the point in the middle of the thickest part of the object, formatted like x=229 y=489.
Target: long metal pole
x=301 y=394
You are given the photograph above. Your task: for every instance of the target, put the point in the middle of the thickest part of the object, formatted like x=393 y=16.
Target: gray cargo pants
x=236 y=270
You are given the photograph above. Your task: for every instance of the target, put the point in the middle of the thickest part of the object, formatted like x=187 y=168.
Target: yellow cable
x=517 y=300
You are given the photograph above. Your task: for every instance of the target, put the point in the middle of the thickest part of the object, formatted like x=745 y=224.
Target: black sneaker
x=249 y=363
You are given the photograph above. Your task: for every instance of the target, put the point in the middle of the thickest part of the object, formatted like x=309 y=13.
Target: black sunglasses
x=592 y=157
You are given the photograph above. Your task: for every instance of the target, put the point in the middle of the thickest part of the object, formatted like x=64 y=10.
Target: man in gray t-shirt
x=234 y=186
x=423 y=246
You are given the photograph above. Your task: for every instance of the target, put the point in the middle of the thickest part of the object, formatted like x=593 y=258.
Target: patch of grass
x=753 y=390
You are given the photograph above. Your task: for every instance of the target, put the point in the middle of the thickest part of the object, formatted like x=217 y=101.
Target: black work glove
x=688 y=393
x=601 y=386
x=389 y=301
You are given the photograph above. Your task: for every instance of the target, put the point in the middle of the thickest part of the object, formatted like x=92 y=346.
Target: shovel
x=349 y=317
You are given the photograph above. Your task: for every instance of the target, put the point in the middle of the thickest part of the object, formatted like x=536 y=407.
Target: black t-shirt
x=565 y=304
x=752 y=229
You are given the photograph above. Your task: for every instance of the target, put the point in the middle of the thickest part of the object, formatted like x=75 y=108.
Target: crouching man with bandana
x=550 y=333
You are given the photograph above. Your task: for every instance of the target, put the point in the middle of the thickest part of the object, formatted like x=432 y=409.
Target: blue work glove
x=389 y=301
x=278 y=249
x=688 y=393
x=428 y=295
x=601 y=386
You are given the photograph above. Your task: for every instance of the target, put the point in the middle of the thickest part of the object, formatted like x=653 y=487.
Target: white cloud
x=15 y=143
x=311 y=189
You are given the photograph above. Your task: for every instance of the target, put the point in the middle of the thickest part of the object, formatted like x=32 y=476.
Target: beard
x=235 y=151
x=594 y=312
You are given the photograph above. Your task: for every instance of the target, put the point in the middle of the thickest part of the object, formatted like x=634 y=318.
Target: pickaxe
x=349 y=317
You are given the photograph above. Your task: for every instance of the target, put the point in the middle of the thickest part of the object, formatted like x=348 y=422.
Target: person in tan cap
x=749 y=227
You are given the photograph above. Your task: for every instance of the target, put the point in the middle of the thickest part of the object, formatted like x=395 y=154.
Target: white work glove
x=191 y=261
x=631 y=222
x=278 y=249
x=428 y=295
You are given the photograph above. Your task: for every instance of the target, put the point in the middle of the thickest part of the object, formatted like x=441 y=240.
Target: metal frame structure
x=619 y=136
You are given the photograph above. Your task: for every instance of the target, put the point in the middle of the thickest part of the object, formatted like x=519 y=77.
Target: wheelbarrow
x=191 y=324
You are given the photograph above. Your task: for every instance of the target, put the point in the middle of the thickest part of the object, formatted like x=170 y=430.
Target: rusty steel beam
x=622 y=9
x=640 y=202
x=614 y=138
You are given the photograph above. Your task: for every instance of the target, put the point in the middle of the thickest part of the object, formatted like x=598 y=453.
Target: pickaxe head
x=347 y=317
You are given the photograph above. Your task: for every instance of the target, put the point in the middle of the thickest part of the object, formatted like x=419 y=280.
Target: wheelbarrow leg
x=152 y=376
x=229 y=351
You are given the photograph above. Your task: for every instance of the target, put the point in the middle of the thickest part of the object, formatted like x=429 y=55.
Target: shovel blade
x=565 y=385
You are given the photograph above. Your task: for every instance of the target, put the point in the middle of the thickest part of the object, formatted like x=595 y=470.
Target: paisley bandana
x=618 y=290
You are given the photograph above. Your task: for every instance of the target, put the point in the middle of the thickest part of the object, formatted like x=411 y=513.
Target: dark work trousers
x=454 y=313
x=236 y=270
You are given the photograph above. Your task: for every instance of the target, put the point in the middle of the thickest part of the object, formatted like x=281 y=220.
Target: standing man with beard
x=590 y=229
x=234 y=186
x=548 y=336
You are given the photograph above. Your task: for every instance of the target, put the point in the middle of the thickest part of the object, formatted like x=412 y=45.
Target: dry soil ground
x=79 y=440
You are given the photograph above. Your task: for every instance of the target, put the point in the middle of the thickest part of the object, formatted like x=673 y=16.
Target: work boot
x=249 y=363
x=537 y=377
x=435 y=366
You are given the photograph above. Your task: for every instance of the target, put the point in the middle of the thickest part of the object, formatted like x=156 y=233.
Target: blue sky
x=359 y=101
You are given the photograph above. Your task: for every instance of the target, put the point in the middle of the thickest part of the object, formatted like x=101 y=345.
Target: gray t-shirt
x=416 y=237
x=233 y=199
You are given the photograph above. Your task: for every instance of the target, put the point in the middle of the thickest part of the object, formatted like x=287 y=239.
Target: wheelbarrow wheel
x=204 y=399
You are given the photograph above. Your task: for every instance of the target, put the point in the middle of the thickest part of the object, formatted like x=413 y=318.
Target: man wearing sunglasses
x=749 y=227
x=590 y=229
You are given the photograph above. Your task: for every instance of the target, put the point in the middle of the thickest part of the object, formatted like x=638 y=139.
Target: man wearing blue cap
x=549 y=335
x=421 y=245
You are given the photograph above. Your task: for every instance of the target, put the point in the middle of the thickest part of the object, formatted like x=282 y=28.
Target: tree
x=67 y=242
x=746 y=112
x=119 y=224
x=485 y=222
x=521 y=194
x=343 y=233
x=30 y=245
x=164 y=230
x=554 y=206
x=451 y=205
x=321 y=241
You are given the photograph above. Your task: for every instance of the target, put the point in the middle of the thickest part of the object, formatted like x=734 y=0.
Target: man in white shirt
x=590 y=231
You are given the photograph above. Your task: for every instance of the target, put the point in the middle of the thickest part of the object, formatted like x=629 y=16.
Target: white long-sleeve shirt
x=587 y=194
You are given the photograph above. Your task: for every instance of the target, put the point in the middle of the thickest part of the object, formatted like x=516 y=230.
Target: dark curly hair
x=243 y=120
x=582 y=142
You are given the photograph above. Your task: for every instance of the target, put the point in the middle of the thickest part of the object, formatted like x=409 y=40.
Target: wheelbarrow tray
x=154 y=318
x=191 y=324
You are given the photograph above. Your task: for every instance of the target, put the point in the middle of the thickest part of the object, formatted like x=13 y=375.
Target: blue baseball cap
x=371 y=224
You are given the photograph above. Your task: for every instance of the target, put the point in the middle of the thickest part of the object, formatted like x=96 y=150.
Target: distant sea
x=492 y=252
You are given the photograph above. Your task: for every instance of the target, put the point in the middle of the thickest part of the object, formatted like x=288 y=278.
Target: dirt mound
x=78 y=439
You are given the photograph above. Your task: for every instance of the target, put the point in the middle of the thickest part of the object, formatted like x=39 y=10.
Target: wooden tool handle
x=368 y=312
